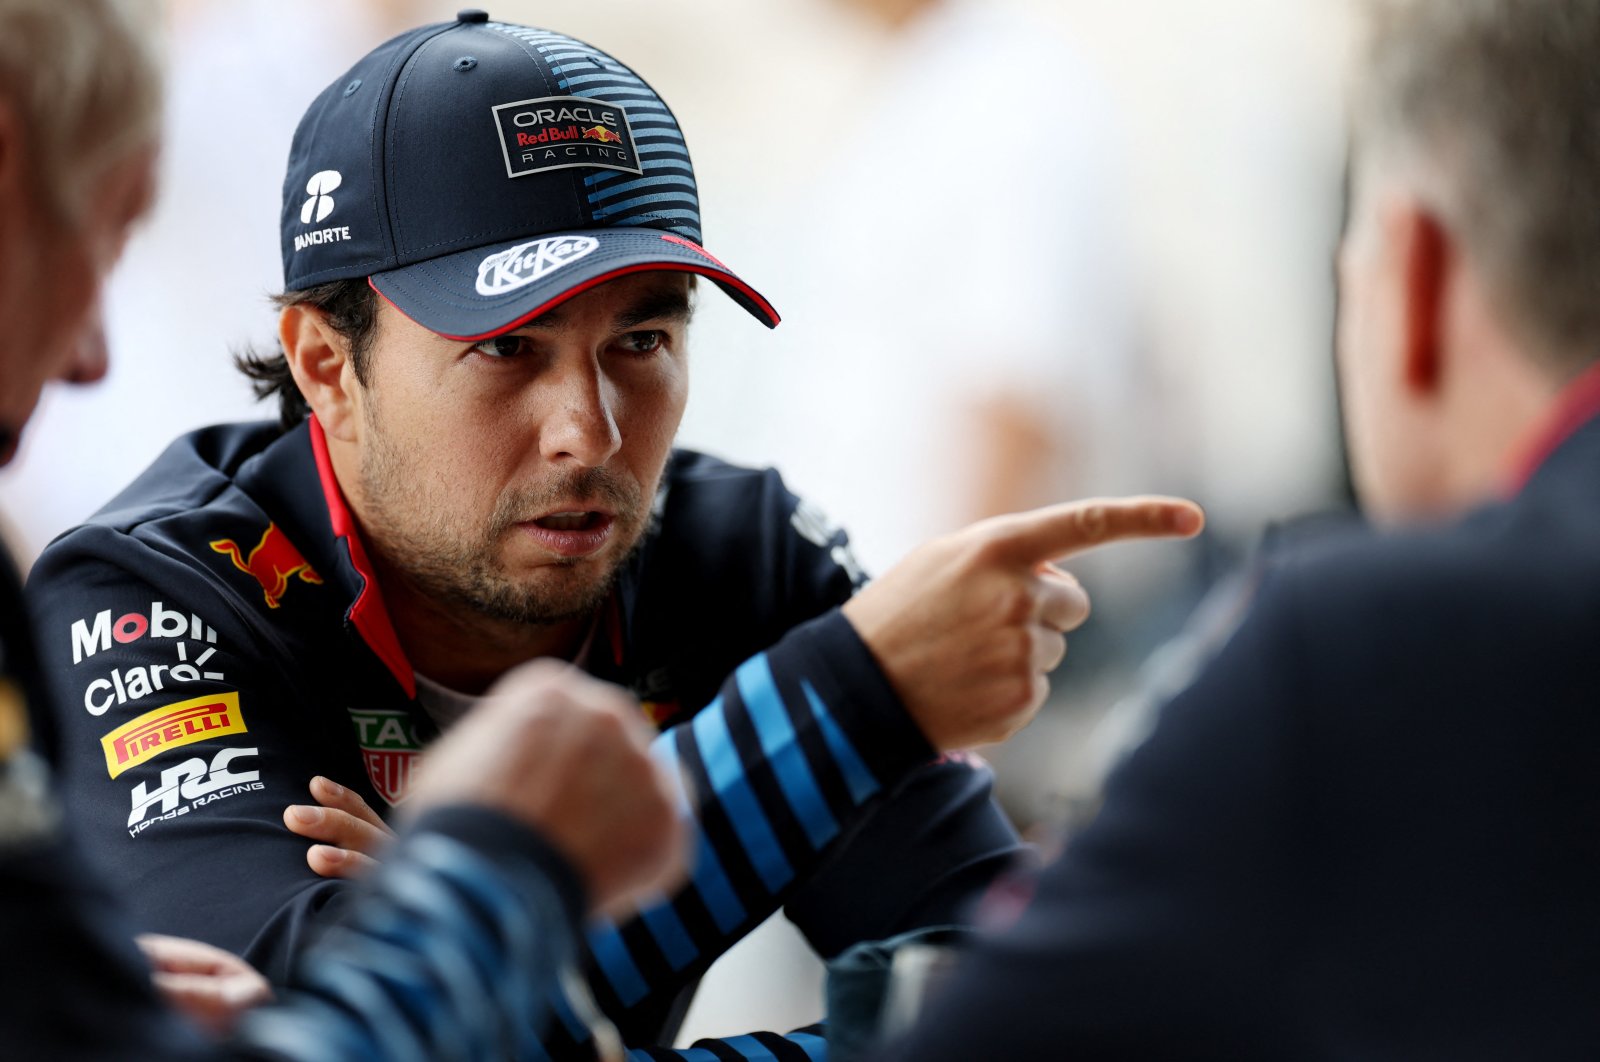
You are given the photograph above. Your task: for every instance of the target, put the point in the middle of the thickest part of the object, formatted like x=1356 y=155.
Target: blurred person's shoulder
x=1508 y=590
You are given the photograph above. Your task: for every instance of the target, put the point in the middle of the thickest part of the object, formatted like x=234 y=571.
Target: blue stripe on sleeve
x=612 y=954
x=569 y=1019
x=710 y=880
x=670 y=934
x=733 y=791
x=751 y=1048
x=856 y=776
x=778 y=741
x=815 y=1047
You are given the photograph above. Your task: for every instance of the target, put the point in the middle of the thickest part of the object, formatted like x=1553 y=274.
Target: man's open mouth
x=571 y=521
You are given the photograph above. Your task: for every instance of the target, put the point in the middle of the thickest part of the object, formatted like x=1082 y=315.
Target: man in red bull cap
x=466 y=926
x=482 y=369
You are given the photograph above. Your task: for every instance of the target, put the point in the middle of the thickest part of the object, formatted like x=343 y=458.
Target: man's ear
x=1427 y=265
x=319 y=358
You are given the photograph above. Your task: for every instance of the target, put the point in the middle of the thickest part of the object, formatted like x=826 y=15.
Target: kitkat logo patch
x=171 y=727
x=527 y=262
x=557 y=132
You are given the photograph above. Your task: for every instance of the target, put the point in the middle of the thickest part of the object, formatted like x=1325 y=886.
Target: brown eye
x=503 y=346
x=643 y=342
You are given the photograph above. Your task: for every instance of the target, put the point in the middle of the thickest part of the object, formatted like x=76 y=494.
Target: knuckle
x=1093 y=521
x=1013 y=604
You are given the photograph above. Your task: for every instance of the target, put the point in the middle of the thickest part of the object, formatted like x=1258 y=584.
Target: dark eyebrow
x=668 y=304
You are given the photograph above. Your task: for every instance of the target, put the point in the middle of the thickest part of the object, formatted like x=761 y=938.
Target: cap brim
x=487 y=291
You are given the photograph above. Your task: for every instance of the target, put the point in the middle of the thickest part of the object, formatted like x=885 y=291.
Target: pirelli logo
x=176 y=725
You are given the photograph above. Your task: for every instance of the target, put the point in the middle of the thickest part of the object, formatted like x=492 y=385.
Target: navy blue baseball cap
x=479 y=173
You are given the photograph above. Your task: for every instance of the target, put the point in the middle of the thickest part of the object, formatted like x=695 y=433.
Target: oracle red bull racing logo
x=557 y=132
x=272 y=563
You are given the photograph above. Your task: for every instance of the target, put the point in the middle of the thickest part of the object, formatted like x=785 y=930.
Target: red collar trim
x=371 y=619
x=1577 y=404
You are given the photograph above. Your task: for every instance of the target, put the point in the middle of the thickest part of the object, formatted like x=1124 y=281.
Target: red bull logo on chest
x=272 y=563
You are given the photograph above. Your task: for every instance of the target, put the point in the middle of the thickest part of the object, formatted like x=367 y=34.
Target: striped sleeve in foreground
x=448 y=954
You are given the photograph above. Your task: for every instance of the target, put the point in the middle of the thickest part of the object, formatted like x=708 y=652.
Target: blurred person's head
x=1470 y=267
x=487 y=313
x=79 y=118
x=893 y=13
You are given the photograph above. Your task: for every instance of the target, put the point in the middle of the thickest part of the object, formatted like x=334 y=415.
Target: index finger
x=1072 y=527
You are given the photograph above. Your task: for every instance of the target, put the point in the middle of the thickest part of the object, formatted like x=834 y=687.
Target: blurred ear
x=319 y=358
x=14 y=191
x=1427 y=262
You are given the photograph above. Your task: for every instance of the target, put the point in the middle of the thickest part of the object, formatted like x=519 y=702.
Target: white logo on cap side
x=527 y=262
x=320 y=203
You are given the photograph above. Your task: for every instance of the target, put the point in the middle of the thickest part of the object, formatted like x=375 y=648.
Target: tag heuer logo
x=528 y=262
x=389 y=749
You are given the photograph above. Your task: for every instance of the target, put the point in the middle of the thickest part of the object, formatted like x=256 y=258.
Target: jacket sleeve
x=449 y=950
x=179 y=742
x=803 y=780
x=1166 y=926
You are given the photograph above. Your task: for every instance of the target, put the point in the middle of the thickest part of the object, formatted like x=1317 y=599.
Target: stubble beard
x=459 y=569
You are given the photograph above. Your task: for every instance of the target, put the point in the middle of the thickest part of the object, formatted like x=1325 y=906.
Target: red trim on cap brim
x=771 y=315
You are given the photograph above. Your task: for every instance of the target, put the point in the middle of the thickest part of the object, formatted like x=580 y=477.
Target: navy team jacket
x=214 y=637
x=462 y=929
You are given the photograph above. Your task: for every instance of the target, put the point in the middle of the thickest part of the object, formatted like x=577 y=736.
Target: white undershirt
x=445 y=705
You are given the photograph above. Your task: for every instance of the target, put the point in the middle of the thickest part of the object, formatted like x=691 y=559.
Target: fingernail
x=304 y=815
x=334 y=788
x=332 y=854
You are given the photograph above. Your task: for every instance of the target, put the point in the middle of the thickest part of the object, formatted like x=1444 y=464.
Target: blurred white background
x=1024 y=250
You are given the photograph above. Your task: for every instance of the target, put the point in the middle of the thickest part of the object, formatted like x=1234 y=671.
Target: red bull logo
x=602 y=134
x=272 y=563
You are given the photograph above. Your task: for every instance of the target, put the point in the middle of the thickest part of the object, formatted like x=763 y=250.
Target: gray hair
x=1495 y=104
x=84 y=76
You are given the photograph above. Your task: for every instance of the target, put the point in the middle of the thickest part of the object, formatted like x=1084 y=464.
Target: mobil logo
x=92 y=636
x=272 y=563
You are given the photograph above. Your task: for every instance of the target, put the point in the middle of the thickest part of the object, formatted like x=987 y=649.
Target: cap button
x=472 y=14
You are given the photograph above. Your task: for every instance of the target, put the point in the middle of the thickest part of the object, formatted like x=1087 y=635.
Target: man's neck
x=463 y=649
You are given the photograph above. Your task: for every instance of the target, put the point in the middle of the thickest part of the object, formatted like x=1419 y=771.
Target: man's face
x=50 y=277
x=515 y=475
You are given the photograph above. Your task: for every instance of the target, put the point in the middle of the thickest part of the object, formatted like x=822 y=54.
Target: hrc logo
x=170 y=727
x=272 y=563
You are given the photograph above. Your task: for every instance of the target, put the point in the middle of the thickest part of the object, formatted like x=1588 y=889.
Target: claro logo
x=176 y=725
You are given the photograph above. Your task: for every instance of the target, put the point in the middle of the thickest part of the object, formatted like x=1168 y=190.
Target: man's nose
x=90 y=357
x=580 y=424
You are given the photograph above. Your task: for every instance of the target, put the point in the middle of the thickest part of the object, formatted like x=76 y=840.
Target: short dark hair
x=350 y=308
x=1500 y=100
